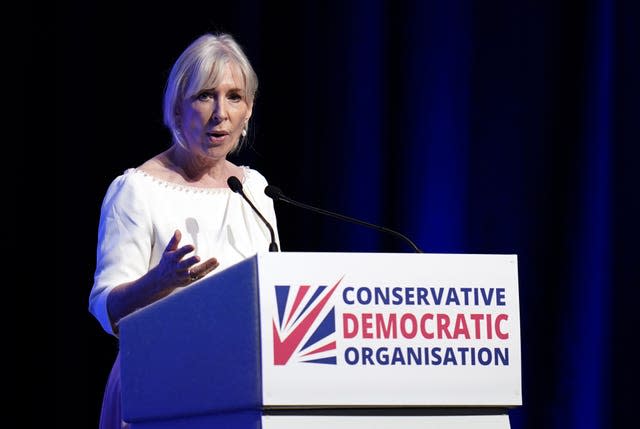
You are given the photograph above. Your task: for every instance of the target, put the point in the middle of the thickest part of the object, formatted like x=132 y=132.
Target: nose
x=219 y=110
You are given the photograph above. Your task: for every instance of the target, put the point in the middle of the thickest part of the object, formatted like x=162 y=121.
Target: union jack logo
x=304 y=330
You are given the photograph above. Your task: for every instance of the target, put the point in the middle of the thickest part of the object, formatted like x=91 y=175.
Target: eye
x=234 y=96
x=205 y=95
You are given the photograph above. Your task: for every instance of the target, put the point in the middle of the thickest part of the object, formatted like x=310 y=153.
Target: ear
x=177 y=114
x=247 y=116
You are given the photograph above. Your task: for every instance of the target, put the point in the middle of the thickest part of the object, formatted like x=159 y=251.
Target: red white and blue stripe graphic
x=305 y=327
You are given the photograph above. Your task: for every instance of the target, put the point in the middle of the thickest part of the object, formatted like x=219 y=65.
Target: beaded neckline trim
x=184 y=188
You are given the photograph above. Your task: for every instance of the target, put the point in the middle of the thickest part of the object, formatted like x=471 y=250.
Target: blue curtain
x=469 y=126
x=477 y=127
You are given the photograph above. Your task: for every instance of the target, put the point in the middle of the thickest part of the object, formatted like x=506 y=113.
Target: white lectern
x=341 y=340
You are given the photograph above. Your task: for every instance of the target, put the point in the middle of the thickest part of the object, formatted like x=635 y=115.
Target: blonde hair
x=200 y=67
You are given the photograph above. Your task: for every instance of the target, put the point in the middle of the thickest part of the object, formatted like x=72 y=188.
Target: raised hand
x=175 y=269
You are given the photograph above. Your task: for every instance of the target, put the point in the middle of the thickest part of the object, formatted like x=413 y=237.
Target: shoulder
x=125 y=186
x=131 y=177
x=252 y=176
x=255 y=182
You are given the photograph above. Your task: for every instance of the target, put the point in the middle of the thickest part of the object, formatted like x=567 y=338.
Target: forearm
x=124 y=299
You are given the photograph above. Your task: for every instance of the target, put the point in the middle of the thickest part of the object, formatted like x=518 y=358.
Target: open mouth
x=217 y=136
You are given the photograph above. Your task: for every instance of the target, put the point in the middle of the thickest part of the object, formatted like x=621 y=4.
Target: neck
x=198 y=169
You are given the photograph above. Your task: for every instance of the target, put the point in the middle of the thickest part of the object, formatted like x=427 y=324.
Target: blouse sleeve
x=125 y=237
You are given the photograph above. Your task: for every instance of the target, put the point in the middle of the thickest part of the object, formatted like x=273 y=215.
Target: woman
x=173 y=219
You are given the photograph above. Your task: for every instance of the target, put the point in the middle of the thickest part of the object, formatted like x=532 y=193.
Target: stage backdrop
x=470 y=126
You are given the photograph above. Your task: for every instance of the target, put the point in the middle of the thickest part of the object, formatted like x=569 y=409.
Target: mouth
x=217 y=136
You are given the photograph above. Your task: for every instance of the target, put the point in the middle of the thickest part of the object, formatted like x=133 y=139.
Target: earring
x=244 y=132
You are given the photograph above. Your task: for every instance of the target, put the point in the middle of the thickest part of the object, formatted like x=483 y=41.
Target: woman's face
x=212 y=120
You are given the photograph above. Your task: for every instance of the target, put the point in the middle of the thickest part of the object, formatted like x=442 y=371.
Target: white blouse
x=140 y=214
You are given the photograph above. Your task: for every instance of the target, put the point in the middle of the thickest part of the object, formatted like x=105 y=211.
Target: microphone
x=276 y=194
x=236 y=186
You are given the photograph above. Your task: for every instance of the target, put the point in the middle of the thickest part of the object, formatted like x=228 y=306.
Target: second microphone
x=236 y=186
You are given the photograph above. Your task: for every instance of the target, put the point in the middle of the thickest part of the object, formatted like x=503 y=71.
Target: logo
x=304 y=330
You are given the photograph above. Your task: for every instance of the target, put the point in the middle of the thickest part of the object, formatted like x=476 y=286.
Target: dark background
x=469 y=126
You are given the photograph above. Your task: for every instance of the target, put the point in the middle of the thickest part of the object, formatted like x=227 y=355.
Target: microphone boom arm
x=349 y=219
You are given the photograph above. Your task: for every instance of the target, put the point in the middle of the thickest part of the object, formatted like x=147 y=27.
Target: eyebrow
x=236 y=89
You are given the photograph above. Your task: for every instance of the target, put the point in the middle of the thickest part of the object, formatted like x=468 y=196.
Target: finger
x=207 y=266
x=173 y=243
x=182 y=252
x=210 y=264
x=185 y=264
x=203 y=269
